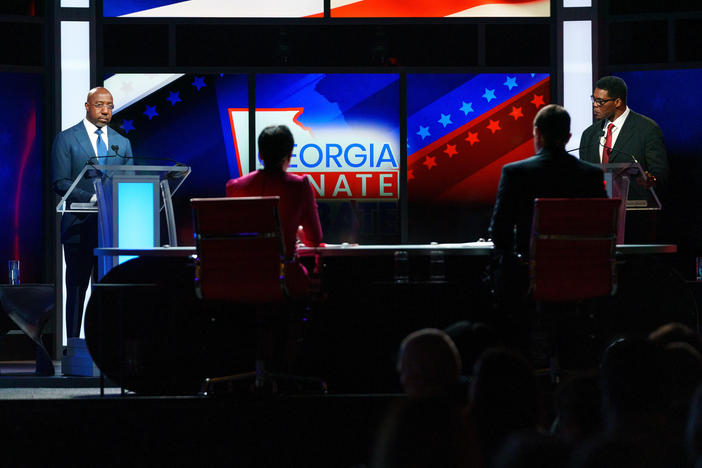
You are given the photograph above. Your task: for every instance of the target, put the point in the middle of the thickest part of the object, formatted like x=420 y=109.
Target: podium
x=129 y=202
x=619 y=178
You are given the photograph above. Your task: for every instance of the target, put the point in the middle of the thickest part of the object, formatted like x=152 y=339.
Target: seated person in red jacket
x=298 y=210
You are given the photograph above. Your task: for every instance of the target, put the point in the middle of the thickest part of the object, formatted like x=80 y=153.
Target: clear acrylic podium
x=129 y=202
x=618 y=180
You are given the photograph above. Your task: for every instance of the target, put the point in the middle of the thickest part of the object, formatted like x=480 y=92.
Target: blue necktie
x=101 y=146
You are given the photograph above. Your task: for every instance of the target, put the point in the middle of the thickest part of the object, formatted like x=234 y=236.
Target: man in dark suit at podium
x=620 y=135
x=90 y=140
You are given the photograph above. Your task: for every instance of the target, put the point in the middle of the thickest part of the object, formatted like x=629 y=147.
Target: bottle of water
x=13 y=271
x=401 y=267
x=437 y=266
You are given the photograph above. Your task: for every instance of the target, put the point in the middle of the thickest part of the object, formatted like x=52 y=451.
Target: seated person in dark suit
x=298 y=210
x=551 y=173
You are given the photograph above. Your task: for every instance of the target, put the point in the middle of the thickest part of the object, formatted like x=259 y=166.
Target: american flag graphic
x=437 y=9
x=459 y=140
x=315 y=8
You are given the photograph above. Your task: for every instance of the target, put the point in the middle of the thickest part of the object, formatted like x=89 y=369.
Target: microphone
x=580 y=147
x=115 y=148
x=649 y=178
x=93 y=159
x=603 y=135
x=633 y=158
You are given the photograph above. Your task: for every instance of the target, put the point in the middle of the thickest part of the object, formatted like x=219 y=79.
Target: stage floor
x=18 y=382
x=45 y=417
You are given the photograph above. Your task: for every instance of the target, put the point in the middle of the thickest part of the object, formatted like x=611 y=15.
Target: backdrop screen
x=21 y=173
x=439 y=8
x=664 y=96
x=346 y=128
x=212 y=8
x=667 y=96
x=461 y=130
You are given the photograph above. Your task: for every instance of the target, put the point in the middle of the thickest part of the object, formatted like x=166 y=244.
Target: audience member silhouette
x=429 y=365
x=505 y=398
x=636 y=398
x=676 y=332
x=693 y=430
x=636 y=383
x=604 y=452
x=686 y=369
x=472 y=339
x=423 y=433
x=532 y=450
x=577 y=405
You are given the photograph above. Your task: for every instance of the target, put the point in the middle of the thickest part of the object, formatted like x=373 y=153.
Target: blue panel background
x=194 y=131
x=349 y=99
x=111 y=8
x=21 y=173
x=671 y=98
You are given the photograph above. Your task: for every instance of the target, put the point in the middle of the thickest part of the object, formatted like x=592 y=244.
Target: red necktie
x=607 y=150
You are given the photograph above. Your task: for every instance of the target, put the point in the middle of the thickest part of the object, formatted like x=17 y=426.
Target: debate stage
x=350 y=337
x=62 y=421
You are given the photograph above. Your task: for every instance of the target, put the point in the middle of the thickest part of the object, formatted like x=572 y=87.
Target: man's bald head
x=98 y=106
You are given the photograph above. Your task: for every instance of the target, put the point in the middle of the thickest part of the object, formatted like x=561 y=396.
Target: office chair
x=572 y=248
x=571 y=258
x=241 y=260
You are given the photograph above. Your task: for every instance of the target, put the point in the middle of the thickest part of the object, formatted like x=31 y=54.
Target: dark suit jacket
x=546 y=175
x=70 y=152
x=641 y=137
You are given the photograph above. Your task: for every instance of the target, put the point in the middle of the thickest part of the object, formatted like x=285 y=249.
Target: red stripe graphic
x=435 y=171
x=413 y=8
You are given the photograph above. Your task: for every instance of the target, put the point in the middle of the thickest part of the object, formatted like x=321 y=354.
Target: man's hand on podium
x=648 y=182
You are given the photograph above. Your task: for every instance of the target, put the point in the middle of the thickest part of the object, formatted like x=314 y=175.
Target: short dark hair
x=553 y=122
x=275 y=143
x=615 y=87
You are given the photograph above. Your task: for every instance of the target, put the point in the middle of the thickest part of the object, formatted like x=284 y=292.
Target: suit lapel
x=595 y=143
x=81 y=136
x=627 y=131
x=113 y=141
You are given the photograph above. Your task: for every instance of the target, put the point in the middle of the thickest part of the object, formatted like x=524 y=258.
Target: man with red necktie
x=621 y=135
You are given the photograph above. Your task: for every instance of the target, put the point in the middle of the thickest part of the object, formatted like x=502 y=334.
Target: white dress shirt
x=90 y=128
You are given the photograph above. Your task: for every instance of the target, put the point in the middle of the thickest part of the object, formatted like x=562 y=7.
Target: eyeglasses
x=100 y=105
x=601 y=102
